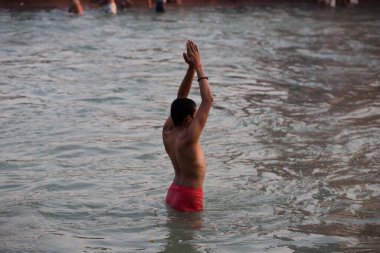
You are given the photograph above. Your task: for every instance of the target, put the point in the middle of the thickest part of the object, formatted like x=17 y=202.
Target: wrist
x=200 y=73
x=198 y=67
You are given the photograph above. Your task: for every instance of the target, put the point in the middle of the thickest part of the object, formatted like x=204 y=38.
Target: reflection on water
x=182 y=229
x=292 y=143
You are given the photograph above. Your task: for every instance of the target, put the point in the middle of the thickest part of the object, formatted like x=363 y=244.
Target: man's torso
x=187 y=158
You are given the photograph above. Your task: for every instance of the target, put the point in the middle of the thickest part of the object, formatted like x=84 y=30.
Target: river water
x=292 y=143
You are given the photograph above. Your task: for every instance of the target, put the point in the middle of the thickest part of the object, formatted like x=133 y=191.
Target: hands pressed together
x=192 y=56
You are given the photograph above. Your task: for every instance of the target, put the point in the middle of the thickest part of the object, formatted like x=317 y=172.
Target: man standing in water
x=160 y=5
x=76 y=7
x=181 y=134
x=110 y=7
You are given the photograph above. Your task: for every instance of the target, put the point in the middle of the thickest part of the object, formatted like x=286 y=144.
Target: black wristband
x=205 y=77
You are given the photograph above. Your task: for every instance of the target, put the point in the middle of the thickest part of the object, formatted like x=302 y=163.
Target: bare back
x=186 y=156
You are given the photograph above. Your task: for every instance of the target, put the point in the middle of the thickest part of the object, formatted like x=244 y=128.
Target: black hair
x=181 y=107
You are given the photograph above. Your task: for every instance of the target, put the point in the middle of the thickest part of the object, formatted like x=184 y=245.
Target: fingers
x=196 y=48
x=185 y=57
x=192 y=48
x=191 y=45
x=188 y=47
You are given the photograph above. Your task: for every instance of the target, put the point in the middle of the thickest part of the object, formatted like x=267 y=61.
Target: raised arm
x=184 y=88
x=201 y=116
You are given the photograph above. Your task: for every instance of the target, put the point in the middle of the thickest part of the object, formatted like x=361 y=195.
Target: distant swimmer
x=76 y=7
x=110 y=7
x=181 y=133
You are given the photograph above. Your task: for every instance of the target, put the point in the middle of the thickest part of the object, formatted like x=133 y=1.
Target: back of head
x=182 y=107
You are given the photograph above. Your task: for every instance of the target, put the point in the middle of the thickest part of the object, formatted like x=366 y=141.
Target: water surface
x=292 y=143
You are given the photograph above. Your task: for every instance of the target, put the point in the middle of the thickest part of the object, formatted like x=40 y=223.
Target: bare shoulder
x=168 y=126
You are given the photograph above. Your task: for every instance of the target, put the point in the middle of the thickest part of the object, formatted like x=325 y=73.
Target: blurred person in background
x=159 y=5
x=110 y=7
x=76 y=7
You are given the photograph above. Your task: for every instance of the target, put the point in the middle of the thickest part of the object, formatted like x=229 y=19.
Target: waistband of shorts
x=187 y=188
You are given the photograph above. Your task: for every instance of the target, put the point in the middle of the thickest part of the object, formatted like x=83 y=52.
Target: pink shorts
x=185 y=198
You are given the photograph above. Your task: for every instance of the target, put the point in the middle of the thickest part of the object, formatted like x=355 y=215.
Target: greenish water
x=292 y=143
